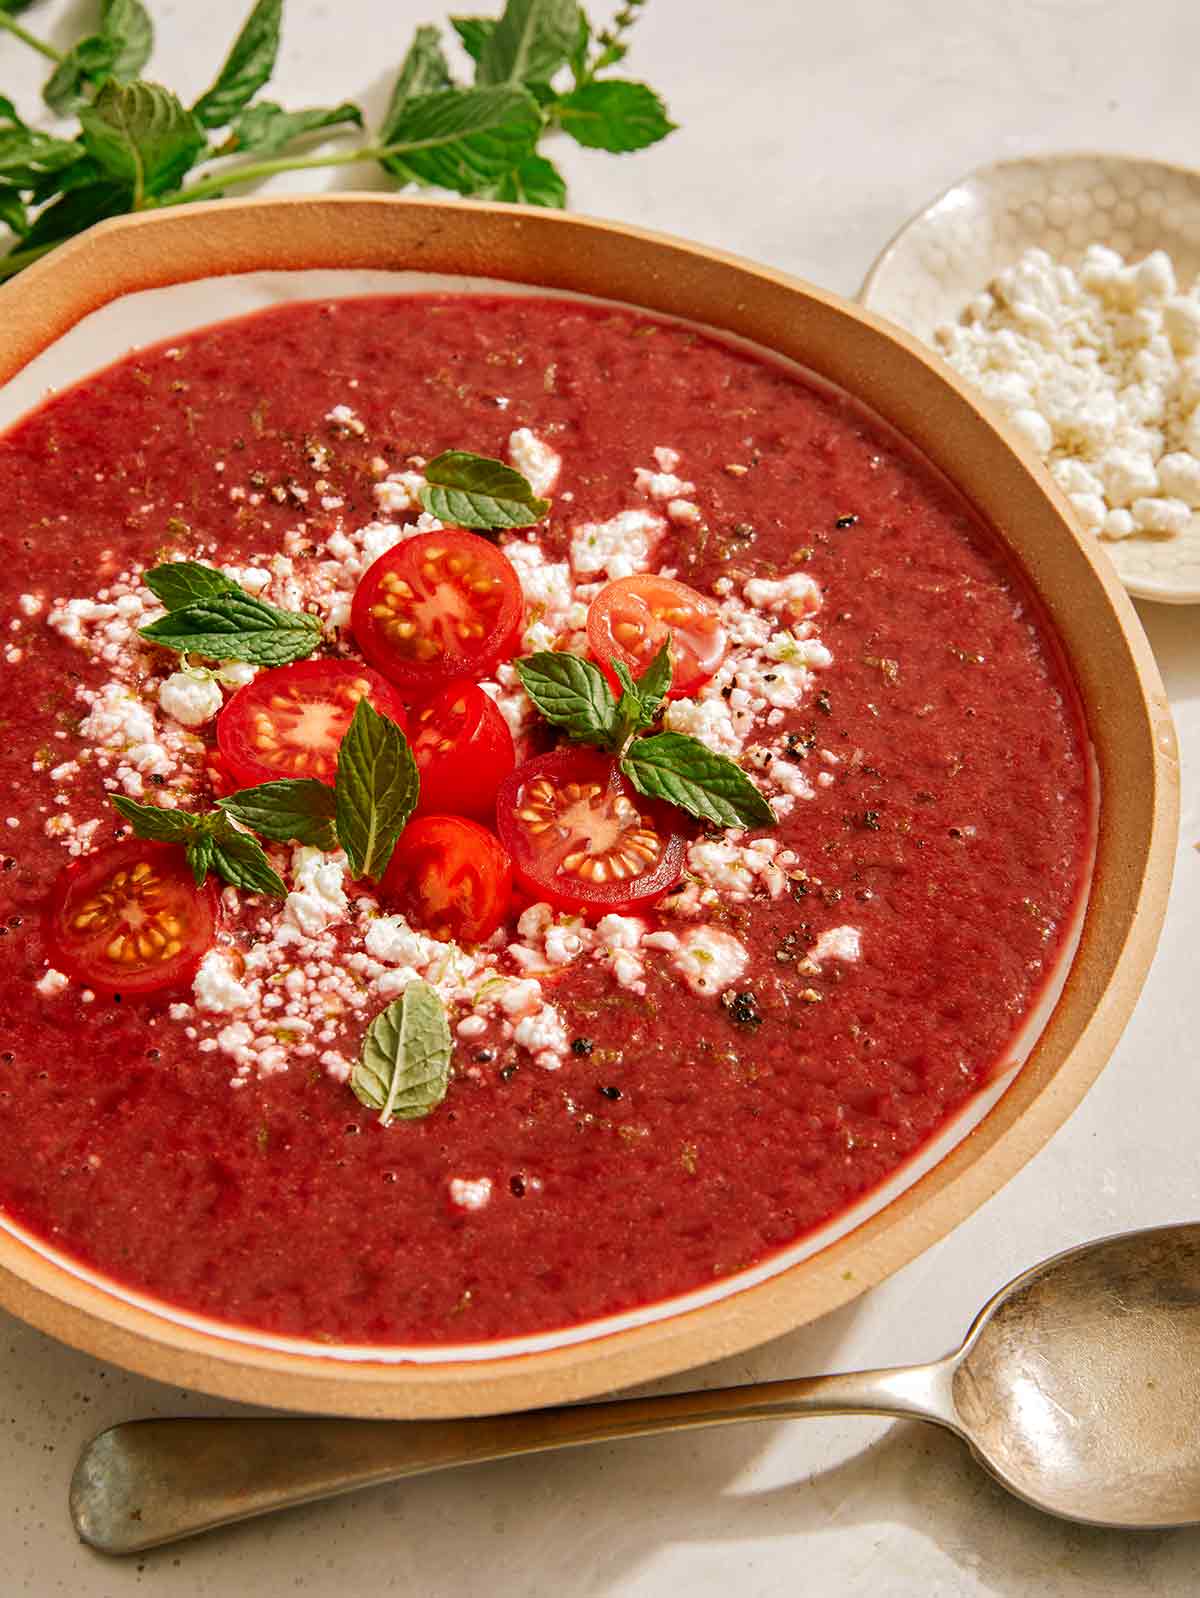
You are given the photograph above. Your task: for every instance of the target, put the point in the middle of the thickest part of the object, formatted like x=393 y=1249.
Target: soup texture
x=649 y=1090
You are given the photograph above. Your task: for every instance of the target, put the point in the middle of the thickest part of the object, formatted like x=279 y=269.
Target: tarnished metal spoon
x=1077 y=1387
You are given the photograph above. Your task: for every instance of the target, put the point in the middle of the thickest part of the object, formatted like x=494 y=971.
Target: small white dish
x=1060 y=203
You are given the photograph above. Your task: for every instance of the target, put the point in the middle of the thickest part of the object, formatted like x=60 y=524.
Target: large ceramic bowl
x=1131 y=731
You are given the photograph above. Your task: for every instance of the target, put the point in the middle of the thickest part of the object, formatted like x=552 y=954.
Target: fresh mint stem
x=215 y=185
x=34 y=43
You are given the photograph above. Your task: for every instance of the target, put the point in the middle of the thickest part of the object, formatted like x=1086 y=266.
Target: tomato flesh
x=582 y=839
x=463 y=750
x=631 y=619
x=451 y=877
x=438 y=606
x=289 y=722
x=130 y=918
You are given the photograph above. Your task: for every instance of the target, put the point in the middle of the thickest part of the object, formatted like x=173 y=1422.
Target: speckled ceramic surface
x=1062 y=204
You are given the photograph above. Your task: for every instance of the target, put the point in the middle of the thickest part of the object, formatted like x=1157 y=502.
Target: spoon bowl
x=1076 y=1387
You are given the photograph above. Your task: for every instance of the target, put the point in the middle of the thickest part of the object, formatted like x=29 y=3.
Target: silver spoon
x=1077 y=1387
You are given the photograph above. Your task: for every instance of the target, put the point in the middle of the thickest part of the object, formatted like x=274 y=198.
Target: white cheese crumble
x=52 y=983
x=189 y=698
x=216 y=987
x=1097 y=367
x=709 y=960
x=618 y=547
x=318 y=898
x=535 y=460
x=470 y=1193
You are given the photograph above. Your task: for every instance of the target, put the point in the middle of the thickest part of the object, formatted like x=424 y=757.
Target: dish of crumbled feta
x=674 y=1045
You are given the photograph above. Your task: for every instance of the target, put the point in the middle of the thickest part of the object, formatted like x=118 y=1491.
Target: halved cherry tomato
x=436 y=607
x=582 y=839
x=130 y=918
x=463 y=750
x=289 y=722
x=451 y=877
x=631 y=619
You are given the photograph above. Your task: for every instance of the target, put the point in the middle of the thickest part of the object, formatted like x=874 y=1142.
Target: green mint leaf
x=535 y=182
x=476 y=491
x=13 y=7
x=28 y=157
x=155 y=822
x=82 y=173
x=685 y=772
x=655 y=682
x=292 y=810
x=236 y=626
x=266 y=128
x=239 y=859
x=178 y=583
x=85 y=66
x=249 y=64
x=532 y=39
x=127 y=24
x=572 y=694
x=465 y=139
x=141 y=136
x=200 y=857
x=12 y=210
x=424 y=70
x=376 y=790
x=614 y=115
x=78 y=210
x=474 y=32
x=404 y=1071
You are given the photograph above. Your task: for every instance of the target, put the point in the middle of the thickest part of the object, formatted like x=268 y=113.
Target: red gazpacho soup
x=655 y=1047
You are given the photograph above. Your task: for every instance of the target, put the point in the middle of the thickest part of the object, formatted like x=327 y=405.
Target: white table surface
x=809 y=133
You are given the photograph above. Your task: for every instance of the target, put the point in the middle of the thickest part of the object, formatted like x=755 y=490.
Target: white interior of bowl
x=145 y=318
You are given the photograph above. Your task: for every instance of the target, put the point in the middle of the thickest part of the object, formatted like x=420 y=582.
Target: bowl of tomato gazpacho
x=570 y=803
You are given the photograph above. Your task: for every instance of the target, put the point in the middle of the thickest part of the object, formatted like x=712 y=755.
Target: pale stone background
x=809 y=134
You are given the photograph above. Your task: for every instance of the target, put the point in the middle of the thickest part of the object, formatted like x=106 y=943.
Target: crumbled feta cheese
x=52 y=983
x=344 y=420
x=189 y=698
x=1097 y=368
x=535 y=461
x=618 y=547
x=795 y=595
x=709 y=959
x=470 y=1193
x=318 y=898
x=216 y=987
x=838 y=943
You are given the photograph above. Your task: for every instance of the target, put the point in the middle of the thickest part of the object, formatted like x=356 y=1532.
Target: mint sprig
x=538 y=68
x=229 y=624
x=475 y=491
x=211 y=841
x=404 y=1069
x=573 y=694
x=374 y=792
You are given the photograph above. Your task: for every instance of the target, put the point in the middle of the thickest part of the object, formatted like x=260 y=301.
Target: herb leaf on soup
x=233 y=625
x=475 y=491
x=404 y=1069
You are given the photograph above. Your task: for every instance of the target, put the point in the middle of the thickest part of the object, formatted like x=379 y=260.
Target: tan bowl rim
x=1123 y=694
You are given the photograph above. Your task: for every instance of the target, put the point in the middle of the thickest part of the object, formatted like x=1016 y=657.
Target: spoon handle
x=148 y=1482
